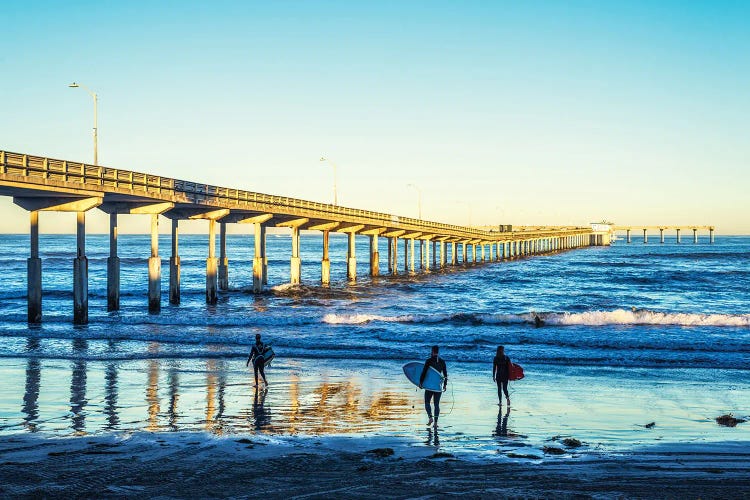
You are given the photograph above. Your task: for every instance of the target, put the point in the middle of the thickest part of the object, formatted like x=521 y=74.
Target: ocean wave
x=644 y=317
x=587 y=318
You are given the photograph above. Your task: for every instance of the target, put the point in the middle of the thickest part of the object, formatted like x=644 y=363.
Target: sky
x=524 y=113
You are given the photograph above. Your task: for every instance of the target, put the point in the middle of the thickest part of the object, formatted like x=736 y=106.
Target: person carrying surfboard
x=258 y=359
x=438 y=364
x=501 y=374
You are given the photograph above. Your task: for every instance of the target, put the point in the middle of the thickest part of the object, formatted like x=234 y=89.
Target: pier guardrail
x=51 y=172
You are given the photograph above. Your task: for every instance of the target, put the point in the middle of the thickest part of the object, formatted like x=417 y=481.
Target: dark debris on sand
x=729 y=421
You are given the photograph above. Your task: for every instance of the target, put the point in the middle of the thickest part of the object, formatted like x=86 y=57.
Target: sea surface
x=657 y=326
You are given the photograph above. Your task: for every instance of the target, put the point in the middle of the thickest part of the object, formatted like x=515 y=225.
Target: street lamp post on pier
x=75 y=85
x=335 y=196
x=419 y=199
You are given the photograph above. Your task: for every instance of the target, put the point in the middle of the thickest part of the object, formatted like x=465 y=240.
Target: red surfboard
x=515 y=372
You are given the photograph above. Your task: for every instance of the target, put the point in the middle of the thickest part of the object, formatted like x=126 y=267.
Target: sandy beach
x=198 y=427
x=194 y=465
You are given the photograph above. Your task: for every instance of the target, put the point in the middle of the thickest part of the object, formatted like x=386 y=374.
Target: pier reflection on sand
x=213 y=395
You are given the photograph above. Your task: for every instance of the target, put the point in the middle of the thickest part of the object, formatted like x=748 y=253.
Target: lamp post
x=75 y=85
x=335 y=197
x=419 y=198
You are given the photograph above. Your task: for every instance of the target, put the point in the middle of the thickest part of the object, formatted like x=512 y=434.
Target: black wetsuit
x=437 y=363
x=259 y=362
x=501 y=372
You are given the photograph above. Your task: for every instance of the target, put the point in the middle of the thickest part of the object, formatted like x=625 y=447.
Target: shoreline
x=607 y=410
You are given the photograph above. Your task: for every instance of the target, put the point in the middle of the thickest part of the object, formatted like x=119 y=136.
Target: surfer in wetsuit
x=501 y=374
x=437 y=363
x=259 y=362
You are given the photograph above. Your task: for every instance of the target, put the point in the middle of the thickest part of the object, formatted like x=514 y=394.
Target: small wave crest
x=644 y=317
x=587 y=318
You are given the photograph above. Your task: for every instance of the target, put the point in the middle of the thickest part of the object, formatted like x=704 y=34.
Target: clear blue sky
x=508 y=112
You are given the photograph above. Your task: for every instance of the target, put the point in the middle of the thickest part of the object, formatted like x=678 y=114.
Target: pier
x=38 y=184
x=646 y=229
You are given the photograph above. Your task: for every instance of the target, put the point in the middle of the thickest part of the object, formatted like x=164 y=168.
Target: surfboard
x=433 y=380
x=267 y=355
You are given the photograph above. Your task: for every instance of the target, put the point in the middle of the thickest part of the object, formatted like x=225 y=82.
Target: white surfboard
x=433 y=379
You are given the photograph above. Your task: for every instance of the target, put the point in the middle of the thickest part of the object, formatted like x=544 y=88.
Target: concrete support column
x=174 y=265
x=258 y=257
x=34 y=270
x=295 y=273
x=406 y=256
x=628 y=233
x=481 y=248
x=661 y=235
x=443 y=258
x=223 y=260
x=465 y=248
x=411 y=256
x=678 y=235
x=265 y=254
x=81 y=274
x=325 y=263
x=426 y=246
x=351 y=260
x=394 y=271
x=711 y=236
x=212 y=281
x=113 y=267
x=695 y=236
x=389 y=244
x=422 y=254
x=434 y=255
x=154 y=268
x=374 y=256
x=645 y=236
x=454 y=257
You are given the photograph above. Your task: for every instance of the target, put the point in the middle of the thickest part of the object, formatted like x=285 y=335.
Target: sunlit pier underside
x=652 y=229
x=39 y=184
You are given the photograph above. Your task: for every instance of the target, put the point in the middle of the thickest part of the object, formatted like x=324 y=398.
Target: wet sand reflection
x=78 y=399
x=30 y=407
x=339 y=404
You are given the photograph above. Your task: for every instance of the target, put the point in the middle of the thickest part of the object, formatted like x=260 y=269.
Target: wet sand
x=198 y=427
x=191 y=465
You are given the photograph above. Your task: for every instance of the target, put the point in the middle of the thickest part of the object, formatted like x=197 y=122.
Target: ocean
x=663 y=327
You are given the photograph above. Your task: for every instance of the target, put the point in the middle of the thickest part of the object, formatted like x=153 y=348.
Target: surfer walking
x=258 y=359
x=501 y=374
x=436 y=362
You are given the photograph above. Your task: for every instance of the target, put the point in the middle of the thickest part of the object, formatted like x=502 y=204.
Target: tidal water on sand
x=631 y=334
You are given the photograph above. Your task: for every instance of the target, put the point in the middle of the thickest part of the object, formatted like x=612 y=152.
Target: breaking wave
x=588 y=318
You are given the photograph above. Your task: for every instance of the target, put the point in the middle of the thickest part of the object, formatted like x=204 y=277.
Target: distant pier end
x=645 y=230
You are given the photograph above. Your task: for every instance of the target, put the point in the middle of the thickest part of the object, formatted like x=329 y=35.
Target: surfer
x=259 y=361
x=501 y=374
x=438 y=364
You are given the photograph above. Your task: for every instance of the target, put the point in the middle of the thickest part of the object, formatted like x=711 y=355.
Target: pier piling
x=325 y=263
x=295 y=275
x=211 y=265
x=351 y=257
x=374 y=256
x=113 y=267
x=80 y=274
x=223 y=260
x=174 y=265
x=34 y=276
x=154 y=268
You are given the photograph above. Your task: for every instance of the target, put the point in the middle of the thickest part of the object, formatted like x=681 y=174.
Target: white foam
x=645 y=317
